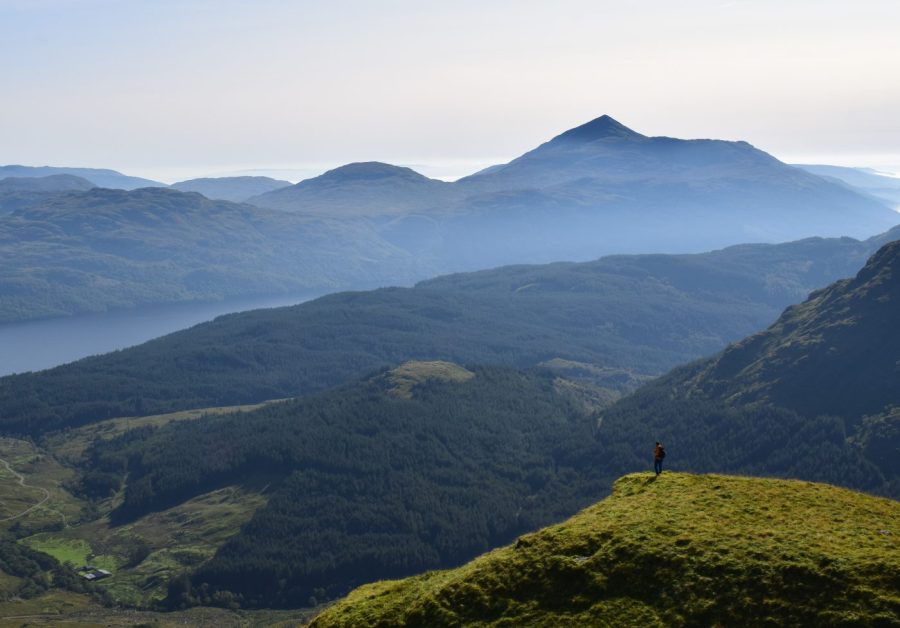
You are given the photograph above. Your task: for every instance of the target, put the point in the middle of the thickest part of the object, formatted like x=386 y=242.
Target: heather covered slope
x=680 y=550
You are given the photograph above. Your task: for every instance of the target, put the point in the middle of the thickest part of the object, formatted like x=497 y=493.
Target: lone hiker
x=658 y=454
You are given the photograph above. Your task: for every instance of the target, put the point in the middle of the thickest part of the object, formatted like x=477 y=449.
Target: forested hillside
x=415 y=468
x=643 y=314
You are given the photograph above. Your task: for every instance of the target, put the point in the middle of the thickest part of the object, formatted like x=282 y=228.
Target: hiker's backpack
x=662 y=453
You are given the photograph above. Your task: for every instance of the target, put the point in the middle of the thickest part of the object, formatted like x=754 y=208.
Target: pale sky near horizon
x=174 y=89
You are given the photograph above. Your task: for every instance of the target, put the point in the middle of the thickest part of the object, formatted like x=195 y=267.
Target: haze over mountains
x=871 y=181
x=599 y=188
x=98 y=176
x=104 y=249
x=595 y=189
x=236 y=189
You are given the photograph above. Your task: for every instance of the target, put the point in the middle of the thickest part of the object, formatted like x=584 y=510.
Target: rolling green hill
x=678 y=550
x=643 y=314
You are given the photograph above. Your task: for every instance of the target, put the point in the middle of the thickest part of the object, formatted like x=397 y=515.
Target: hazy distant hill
x=369 y=189
x=865 y=179
x=51 y=183
x=684 y=550
x=818 y=391
x=101 y=249
x=235 y=189
x=99 y=177
x=625 y=313
x=597 y=189
x=21 y=192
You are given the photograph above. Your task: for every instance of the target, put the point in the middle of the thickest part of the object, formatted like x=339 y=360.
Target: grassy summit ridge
x=678 y=550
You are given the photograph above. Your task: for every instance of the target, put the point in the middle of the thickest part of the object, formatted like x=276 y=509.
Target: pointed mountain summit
x=603 y=128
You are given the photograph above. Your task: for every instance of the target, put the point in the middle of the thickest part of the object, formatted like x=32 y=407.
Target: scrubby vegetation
x=677 y=550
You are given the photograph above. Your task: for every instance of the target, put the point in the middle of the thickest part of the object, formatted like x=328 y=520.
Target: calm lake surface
x=37 y=345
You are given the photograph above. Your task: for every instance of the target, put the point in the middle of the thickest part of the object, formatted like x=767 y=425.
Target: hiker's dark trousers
x=657 y=466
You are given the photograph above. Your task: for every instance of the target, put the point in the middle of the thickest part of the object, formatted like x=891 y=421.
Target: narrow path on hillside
x=20 y=480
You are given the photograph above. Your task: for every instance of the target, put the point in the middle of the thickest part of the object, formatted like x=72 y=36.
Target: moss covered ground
x=678 y=550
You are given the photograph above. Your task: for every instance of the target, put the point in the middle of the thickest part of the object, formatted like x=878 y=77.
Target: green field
x=143 y=554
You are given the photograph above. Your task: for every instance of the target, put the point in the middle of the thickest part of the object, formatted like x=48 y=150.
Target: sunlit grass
x=678 y=550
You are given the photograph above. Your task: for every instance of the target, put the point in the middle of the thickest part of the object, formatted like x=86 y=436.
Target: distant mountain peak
x=604 y=127
x=371 y=170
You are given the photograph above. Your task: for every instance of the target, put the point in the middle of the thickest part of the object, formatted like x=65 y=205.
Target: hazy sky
x=173 y=89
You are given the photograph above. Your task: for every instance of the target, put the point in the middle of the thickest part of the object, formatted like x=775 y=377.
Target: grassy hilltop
x=680 y=550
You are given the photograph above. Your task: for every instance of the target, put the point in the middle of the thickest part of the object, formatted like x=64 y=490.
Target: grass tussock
x=676 y=550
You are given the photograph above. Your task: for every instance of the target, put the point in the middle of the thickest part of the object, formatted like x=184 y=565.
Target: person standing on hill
x=658 y=454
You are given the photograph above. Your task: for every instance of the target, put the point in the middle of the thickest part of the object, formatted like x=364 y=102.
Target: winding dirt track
x=20 y=479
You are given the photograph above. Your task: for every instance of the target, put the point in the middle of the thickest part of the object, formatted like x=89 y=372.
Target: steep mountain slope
x=102 y=249
x=818 y=391
x=235 y=189
x=637 y=313
x=682 y=550
x=100 y=177
x=360 y=189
